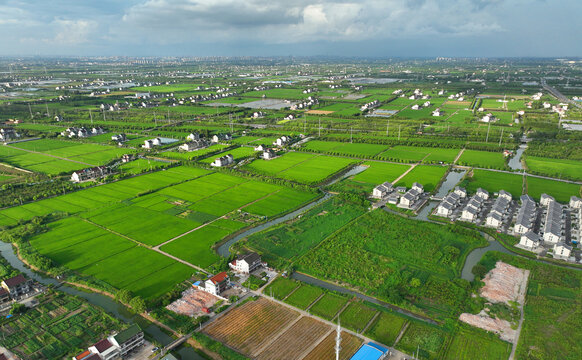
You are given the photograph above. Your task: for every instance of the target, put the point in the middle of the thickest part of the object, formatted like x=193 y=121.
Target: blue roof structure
x=369 y=352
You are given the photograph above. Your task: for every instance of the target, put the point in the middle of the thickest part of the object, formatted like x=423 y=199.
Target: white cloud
x=73 y=32
x=278 y=21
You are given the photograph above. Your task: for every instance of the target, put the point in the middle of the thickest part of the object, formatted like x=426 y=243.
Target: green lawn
x=472 y=343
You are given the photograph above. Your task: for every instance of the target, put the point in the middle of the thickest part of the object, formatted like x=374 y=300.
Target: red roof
x=103 y=345
x=83 y=355
x=220 y=277
x=15 y=281
x=3 y=292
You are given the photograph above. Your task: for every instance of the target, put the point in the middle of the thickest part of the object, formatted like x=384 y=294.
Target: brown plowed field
x=247 y=327
x=326 y=349
x=293 y=342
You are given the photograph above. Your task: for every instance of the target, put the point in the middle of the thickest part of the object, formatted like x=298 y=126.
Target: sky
x=364 y=28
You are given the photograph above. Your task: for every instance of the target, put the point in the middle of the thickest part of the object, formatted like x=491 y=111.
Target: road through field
x=53 y=156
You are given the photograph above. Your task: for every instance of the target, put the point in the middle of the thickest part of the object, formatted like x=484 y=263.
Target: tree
x=123 y=296
x=415 y=282
x=17 y=308
x=138 y=304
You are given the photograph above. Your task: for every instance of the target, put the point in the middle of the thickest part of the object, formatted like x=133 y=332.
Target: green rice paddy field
x=427 y=175
x=513 y=183
x=72 y=242
x=558 y=168
x=482 y=159
x=301 y=167
x=170 y=204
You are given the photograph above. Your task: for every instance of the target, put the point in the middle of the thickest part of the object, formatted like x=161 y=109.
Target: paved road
x=559 y=95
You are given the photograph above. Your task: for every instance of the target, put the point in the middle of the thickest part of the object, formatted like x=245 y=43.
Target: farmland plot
x=326 y=349
x=291 y=344
x=482 y=159
x=248 y=327
x=428 y=176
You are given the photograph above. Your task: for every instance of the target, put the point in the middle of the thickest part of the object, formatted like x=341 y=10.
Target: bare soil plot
x=193 y=302
x=249 y=326
x=293 y=342
x=326 y=349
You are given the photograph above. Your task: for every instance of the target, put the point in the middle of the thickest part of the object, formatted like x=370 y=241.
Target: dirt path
x=402 y=331
x=404 y=174
x=459 y=155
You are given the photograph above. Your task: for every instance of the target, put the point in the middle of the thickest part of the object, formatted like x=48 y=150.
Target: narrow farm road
x=459 y=155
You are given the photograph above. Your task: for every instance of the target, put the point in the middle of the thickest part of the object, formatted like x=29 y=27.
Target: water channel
x=224 y=249
x=102 y=301
x=515 y=162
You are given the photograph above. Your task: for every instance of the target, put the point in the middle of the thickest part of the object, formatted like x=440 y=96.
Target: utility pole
x=48 y=114
x=319 y=127
x=387 y=126
x=351 y=135
x=30 y=110
x=91 y=115
x=501 y=137
x=488 y=128
x=399 y=132
x=104 y=115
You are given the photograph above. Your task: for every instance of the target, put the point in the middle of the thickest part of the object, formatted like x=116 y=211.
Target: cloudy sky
x=382 y=28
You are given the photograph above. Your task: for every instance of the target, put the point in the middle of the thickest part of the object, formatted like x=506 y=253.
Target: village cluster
x=545 y=228
x=411 y=199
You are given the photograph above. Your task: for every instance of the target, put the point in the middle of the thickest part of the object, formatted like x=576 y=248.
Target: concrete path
x=404 y=174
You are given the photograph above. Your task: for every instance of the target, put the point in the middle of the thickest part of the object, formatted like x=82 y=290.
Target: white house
x=217 y=284
x=260 y=148
x=246 y=263
x=283 y=140
x=545 y=199
x=193 y=136
x=530 y=240
x=7 y=134
x=483 y=194
x=268 y=154
x=562 y=251
x=461 y=192
x=221 y=137
x=505 y=194
x=445 y=209
x=437 y=112
x=119 y=137
x=382 y=190
x=415 y=107
x=418 y=187
x=488 y=118
x=494 y=220
x=408 y=199
x=223 y=161
x=148 y=144
x=469 y=214
x=575 y=202
x=105 y=349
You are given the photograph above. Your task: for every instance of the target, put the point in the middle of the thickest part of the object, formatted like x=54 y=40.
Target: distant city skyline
x=375 y=28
